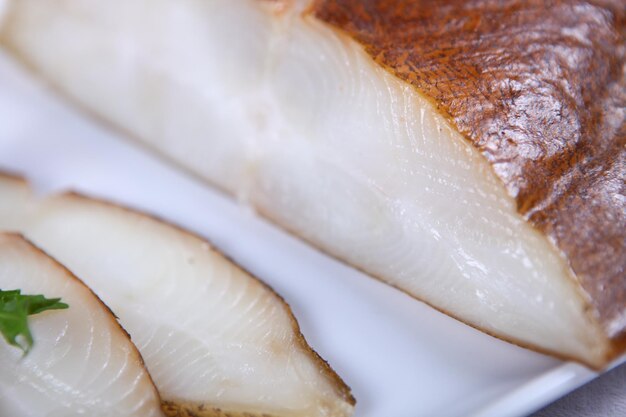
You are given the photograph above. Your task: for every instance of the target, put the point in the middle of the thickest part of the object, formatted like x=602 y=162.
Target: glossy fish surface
x=214 y=338
x=82 y=362
x=383 y=154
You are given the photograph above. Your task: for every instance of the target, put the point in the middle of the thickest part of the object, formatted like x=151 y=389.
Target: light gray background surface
x=602 y=397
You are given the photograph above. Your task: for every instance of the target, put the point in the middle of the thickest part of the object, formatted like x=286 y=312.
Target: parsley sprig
x=15 y=308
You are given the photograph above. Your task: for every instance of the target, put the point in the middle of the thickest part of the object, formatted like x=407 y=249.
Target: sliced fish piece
x=82 y=361
x=376 y=150
x=216 y=340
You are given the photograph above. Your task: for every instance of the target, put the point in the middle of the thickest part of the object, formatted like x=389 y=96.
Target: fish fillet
x=82 y=362
x=367 y=130
x=216 y=341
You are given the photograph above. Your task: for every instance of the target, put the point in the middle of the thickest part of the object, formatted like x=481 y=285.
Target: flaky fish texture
x=82 y=362
x=468 y=153
x=217 y=341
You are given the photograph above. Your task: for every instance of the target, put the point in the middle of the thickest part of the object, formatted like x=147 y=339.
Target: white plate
x=401 y=358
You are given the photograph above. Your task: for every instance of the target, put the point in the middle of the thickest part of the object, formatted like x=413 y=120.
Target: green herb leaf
x=14 y=311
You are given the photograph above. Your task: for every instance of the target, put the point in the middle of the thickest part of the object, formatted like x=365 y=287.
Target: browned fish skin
x=539 y=87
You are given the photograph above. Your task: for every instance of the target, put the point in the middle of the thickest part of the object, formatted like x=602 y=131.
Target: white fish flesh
x=293 y=117
x=82 y=362
x=215 y=339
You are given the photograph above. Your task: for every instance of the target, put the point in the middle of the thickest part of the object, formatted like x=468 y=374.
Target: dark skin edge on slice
x=539 y=88
x=181 y=409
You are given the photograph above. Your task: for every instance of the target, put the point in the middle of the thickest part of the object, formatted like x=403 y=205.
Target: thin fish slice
x=216 y=340
x=82 y=362
x=276 y=103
